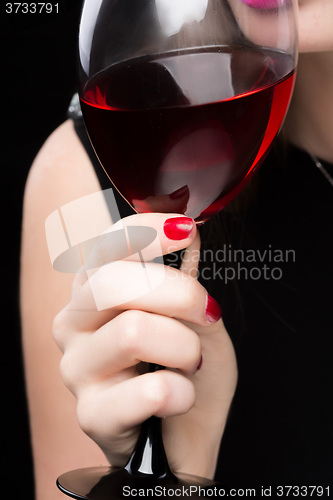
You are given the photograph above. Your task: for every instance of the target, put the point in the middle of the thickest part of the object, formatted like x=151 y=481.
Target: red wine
x=184 y=132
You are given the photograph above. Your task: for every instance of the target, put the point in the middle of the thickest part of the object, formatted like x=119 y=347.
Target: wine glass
x=182 y=100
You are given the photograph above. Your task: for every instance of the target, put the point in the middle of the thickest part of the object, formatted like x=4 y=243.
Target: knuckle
x=132 y=327
x=190 y=293
x=68 y=370
x=157 y=393
x=95 y=415
x=87 y=415
x=59 y=329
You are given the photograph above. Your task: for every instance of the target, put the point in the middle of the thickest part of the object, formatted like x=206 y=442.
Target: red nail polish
x=200 y=363
x=213 y=310
x=178 y=228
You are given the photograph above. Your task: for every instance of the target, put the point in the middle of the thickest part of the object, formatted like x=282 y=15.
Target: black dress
x=272 y=272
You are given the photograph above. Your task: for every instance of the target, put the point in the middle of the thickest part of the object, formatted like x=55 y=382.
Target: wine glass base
x=106 y=483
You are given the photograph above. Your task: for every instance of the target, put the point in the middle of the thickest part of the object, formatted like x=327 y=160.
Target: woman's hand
x=171 y=321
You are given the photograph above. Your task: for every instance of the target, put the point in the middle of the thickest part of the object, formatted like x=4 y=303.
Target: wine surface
x=184 y=132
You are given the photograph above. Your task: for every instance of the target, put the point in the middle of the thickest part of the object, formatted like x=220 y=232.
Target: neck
x=309 y=124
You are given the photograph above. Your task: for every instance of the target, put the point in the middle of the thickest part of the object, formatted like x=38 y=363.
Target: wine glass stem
x=149 y=457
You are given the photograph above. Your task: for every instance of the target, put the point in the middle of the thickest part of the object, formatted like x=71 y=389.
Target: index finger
x=141 y=237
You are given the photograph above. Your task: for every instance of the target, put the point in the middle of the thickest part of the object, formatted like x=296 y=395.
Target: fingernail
x=213 y=311
x=178 y=228
x=200 y=363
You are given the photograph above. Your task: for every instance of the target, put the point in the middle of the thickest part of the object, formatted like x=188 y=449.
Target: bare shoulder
x=61 y=173
x=62 y=168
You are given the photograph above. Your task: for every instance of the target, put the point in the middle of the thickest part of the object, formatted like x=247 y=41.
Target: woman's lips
x=264 y=4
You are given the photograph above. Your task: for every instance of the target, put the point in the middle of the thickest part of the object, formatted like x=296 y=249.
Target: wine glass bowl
x=182 y=100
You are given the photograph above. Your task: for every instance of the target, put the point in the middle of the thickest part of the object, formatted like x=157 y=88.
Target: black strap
x=74 y=112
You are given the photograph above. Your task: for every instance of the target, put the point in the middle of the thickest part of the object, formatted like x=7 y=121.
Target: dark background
x=38 y=73
x=38 y=78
